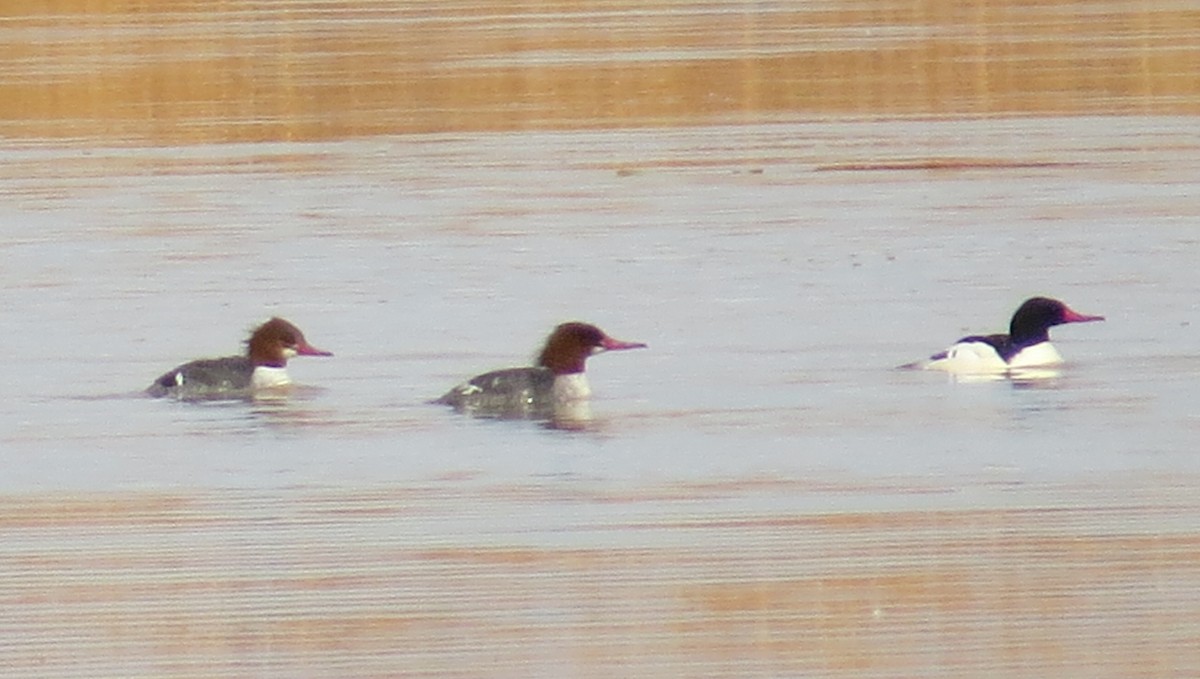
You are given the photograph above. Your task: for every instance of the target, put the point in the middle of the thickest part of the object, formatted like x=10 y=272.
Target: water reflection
x=194 y=72
x=1037 y=378
x=461 y=579
x=1045 y=377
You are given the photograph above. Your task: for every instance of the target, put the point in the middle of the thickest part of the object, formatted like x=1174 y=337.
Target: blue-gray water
x=778 y=274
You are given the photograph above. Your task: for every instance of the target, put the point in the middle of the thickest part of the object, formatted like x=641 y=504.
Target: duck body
x=992 y=354
x=526 y=392
x=205 y=377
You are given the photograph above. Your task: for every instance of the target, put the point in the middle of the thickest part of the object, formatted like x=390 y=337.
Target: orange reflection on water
x=461 y=581
x=251 y=70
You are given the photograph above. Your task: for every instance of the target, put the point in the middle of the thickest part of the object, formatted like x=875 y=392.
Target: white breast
x=1041 y=354
x=266 y=377
x=572 y=387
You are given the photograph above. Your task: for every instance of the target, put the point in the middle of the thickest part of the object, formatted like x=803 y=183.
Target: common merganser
x=547 y=390
x=1027 y=344
x=263 y=367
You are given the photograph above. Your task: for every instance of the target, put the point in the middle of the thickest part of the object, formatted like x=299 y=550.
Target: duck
x=261 y=368
x=554 y=385
x=1026 y=345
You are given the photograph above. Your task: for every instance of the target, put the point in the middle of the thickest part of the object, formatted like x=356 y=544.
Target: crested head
x=567 y=349
x=277 y=340
x=1033 y=319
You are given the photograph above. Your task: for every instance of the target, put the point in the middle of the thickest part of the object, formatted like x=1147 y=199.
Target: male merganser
x=263 y=367
x=549 y=389
x=1027 y=344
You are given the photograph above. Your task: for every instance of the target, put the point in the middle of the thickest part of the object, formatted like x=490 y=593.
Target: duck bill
x=306 y=349
x=610 y=344
x=1070 y=316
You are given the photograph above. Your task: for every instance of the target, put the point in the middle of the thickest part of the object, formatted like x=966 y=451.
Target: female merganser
x=546 y=390
x=263 y=366
x=1027 y=344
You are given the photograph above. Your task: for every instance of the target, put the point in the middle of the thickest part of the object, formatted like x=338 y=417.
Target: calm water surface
x=783 y=200
x=760 y=493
